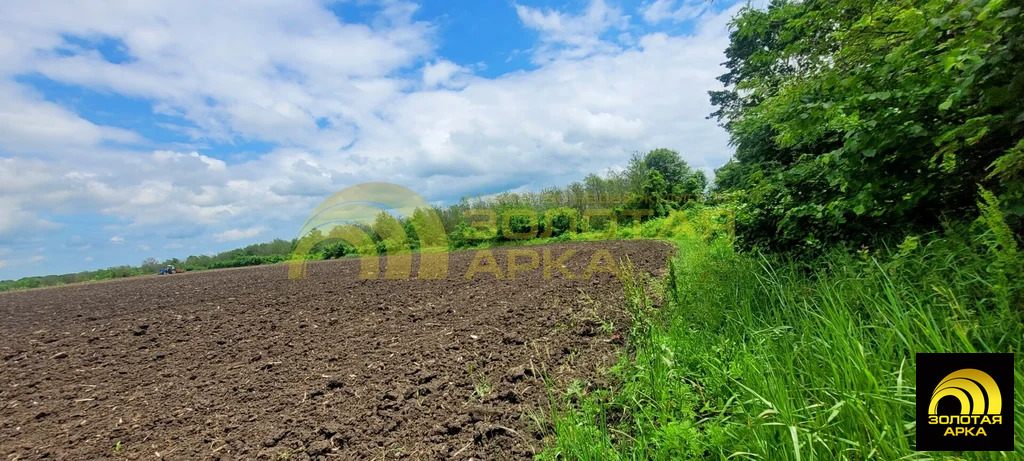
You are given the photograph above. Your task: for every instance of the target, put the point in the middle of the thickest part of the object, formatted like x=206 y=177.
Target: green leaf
x=949 y=62
x=1010 y=13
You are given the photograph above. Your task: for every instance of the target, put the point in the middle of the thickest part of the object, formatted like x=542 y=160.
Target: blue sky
x=171 y=128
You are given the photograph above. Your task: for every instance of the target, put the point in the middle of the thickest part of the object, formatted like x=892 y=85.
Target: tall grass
x=754 y=357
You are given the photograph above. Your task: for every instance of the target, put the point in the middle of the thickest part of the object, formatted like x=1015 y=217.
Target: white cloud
x=261 y=73
x=338 y=103
x=30 y=124
x=565 y=35
x=190 y=160
x=238 y=234
x=22 y=262
x=674 y=10
x=16 y=218
x=173 y=246
x=287 y=72
x=88 y=259
x=443 y=73
x=567 y=118
x=143 y=247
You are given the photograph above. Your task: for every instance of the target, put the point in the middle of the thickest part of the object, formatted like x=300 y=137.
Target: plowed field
x=247 y=364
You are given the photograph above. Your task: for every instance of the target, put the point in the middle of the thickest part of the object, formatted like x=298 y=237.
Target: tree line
x=659 y=180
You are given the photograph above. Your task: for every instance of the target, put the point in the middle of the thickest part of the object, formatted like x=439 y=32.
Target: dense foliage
x=857 y=125
x=853 y=119
x=745 y=356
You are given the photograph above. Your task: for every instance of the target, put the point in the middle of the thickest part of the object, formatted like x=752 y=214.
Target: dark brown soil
x=247 y=364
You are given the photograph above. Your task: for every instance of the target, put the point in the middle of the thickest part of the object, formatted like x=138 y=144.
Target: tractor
x=171 y=270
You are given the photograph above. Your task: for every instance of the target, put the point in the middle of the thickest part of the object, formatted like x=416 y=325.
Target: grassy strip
x=753 y=357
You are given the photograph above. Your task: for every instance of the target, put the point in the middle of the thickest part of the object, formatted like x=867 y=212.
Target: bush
x=835 y=150
x=782 y=359
x=337 y=250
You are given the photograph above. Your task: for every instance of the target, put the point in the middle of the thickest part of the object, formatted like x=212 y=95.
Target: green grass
x=482 y=388
x=754 y=357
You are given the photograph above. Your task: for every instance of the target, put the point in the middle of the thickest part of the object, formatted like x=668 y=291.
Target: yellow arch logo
x=976 y=391
x=354 y=215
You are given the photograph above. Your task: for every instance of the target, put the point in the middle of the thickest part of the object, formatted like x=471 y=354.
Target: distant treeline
x=252 y=255
x=655 y=182
x=652 y=186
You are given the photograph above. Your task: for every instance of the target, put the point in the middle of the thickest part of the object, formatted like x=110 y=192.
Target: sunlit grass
x=752 y=357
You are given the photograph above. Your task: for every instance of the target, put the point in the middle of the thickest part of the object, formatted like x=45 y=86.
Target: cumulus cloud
x=443 y=73
x=674 y=10
x=30 y=124
x=337 y=104
x=3 y=264
x=568 y=117
x=17 y=219
x=264 y=73
x=564 y=35
x=238 y=234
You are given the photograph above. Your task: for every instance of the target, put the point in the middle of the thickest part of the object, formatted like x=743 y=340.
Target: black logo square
x=965 y=402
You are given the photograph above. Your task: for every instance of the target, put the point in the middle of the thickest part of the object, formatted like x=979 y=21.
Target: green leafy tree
x=730 y=176
x=653 y=196
x=150 y=264
x=853 y=119
x=681 y=181
x=390 y=232
x=636 y=173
